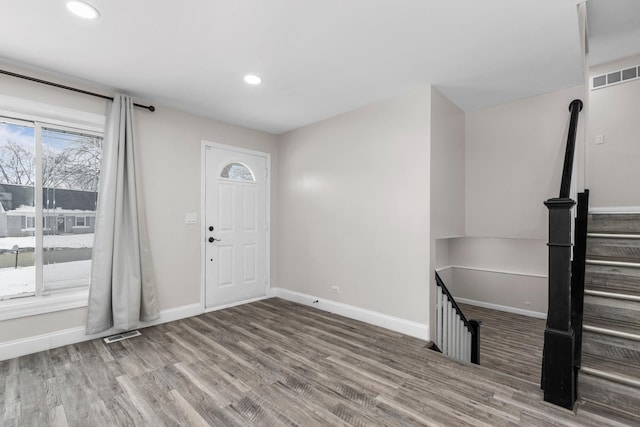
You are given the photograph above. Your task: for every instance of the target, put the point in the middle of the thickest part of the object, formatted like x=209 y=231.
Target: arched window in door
x=237 y=172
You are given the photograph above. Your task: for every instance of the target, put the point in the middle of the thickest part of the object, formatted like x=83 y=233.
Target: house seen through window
x=48 y=196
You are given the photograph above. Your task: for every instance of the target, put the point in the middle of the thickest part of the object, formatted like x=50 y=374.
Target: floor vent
x=120 y=337
x=615 y=77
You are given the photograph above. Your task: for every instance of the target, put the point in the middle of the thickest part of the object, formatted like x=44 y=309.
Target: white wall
x=514 y=157
x=511 y=273
x=447 y=184
x=170 y=143
x=613 y=167
x=354 y=207
x=447 y=168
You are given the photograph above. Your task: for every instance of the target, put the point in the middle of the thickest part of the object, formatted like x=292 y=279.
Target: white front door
x=235 y=225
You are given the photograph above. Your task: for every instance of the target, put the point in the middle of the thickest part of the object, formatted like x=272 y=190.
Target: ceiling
x=317 y=58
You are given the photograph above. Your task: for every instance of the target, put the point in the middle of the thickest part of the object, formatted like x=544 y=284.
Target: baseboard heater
x=120 y=337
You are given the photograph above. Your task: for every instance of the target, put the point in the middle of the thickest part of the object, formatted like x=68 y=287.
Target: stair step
x=626 y=223
x=611 y=354
x=625 y=250
x=597 y=387
x=612 y=313
x=607 y=414
x=610 y=372
x=620 y=280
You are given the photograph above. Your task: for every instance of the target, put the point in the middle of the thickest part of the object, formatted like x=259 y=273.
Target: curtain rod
x=73 y=89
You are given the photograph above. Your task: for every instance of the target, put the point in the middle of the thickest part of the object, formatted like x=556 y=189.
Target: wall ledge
x=505 y=308
x=397 y=324
x=480 y=272
x=24 y=346
x=493 y=270
x=42 y=304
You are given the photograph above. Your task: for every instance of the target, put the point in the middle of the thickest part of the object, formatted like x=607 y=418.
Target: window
x=237 y=172
x=48 y=176
x=83 y=221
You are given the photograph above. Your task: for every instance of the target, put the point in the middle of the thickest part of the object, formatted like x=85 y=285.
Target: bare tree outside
x=76 y=167
x=17 y=165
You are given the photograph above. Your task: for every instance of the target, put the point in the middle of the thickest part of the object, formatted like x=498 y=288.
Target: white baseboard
x=24 y=346
x=506 y=308
x=407 y=327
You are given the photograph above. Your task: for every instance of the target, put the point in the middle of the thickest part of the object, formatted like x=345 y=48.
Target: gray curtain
x=123 y=290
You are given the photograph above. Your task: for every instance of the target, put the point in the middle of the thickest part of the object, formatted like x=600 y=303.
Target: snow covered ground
x=62 y=241
x=23 y=279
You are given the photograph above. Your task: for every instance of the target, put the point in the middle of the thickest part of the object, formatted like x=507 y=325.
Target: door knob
x=211 y=240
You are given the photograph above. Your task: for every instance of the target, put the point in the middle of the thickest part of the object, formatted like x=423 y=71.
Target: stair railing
x=563 y=333
x=456 y=337
x=578 y=270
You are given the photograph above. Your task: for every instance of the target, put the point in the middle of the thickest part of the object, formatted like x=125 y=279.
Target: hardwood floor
x=268 y=363
x=509 y=343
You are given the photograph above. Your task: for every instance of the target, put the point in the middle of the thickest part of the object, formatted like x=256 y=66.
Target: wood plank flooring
x=269 y=363
x=509 y=343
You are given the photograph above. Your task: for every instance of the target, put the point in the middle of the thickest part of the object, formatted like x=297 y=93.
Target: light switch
x=191 y=218
x=599 y=139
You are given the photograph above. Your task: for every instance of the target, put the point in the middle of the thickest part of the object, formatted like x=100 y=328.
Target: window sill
x=32 y=306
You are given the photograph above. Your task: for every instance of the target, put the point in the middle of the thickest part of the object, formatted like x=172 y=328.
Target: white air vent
x=615 y=77
x=120 y=337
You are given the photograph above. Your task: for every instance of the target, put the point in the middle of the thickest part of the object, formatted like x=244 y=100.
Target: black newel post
x=475 y=341
x=558 y=373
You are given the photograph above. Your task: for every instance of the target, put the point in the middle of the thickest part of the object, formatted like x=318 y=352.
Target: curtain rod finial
x=147 y=107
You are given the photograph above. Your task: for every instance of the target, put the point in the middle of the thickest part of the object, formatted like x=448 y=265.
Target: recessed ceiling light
x=83 y=10
x=252 y=79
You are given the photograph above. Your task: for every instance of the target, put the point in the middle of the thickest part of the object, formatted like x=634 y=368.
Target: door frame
x=203 y=201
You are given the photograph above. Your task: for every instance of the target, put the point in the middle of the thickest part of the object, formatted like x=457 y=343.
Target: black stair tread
x=619 y=280
x=614 y=223
x=625 y=250
x=607 y=392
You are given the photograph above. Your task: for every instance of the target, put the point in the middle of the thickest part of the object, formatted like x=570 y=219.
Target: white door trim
x=202 y=224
